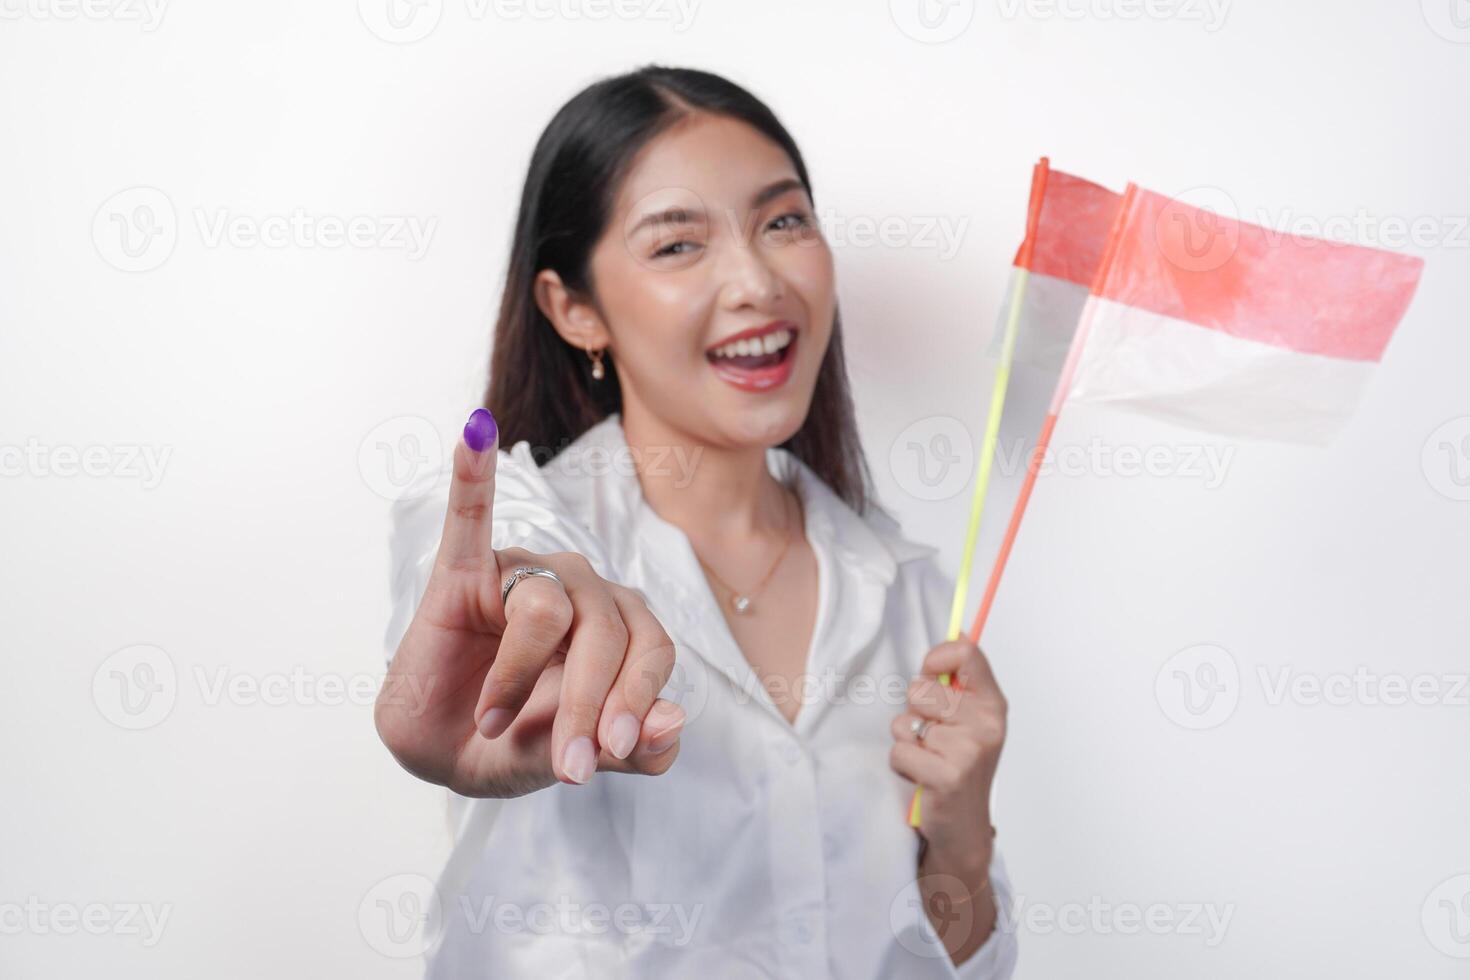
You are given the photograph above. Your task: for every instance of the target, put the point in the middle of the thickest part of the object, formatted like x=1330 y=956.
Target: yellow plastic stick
x=982 y=479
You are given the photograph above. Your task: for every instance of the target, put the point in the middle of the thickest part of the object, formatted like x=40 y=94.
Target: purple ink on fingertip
x=480 y=430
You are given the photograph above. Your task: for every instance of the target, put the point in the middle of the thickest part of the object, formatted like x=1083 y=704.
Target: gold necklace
x=740 y=601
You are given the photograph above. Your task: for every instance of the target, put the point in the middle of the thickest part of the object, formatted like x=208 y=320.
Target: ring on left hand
x=919 y=727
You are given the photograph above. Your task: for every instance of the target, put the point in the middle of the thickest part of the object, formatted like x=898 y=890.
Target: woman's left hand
x=956 y=760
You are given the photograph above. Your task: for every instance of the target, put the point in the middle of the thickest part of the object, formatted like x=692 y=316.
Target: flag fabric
x=1232 y=328
x=1225 y=327
x=1065 y=249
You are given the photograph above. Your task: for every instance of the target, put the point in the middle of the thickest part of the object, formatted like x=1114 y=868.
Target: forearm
x=958 y=899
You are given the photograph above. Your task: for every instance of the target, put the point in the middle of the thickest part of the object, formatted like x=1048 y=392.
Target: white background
x=1332 y=834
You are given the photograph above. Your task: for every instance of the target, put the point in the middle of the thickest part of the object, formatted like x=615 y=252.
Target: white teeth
x=768 y=344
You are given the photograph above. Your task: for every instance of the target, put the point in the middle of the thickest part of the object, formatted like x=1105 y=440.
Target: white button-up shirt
x=769 y=849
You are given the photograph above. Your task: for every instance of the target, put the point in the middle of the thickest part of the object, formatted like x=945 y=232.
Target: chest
x=775 y=632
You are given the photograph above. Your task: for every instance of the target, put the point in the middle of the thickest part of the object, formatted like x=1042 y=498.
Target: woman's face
x=713 y=238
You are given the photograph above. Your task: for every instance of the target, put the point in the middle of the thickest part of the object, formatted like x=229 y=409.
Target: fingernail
x=664 y=714
x=622 y=736
x=578 y=761
x=495 y=722
x=666 y=737
x=480 y=430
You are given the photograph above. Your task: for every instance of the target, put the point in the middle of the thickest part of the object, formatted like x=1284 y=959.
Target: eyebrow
x=684 y=216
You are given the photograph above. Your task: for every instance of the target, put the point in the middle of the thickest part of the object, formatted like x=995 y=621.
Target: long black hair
x=541 y=388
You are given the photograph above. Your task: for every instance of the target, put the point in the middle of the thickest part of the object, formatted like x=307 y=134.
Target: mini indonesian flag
x=1232 y=328
x=1061 y=257
x=1223 y=326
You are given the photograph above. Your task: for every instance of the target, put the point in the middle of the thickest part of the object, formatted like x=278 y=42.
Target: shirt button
x=791 y=752
x=797 y=931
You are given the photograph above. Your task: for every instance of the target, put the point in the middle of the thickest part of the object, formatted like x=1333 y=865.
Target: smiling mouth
x=754 y=353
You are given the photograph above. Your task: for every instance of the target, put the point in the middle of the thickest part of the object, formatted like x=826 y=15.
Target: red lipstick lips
x=758 y=359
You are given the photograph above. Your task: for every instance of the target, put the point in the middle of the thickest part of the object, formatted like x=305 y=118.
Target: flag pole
x=992 y=425
x=1059 y=396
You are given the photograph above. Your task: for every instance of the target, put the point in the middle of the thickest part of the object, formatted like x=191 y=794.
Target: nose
x=749 y=279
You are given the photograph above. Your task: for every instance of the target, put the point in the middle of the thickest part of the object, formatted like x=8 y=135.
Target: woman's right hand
x=562 y=680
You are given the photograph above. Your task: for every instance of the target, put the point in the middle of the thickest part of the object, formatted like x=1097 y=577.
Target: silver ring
x=920 y=727
x=526 y=572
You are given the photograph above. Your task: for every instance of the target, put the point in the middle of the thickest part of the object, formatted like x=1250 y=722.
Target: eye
x=790 y=221
x=675 y=248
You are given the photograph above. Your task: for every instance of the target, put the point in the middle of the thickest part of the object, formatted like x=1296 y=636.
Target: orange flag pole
x=1043 y=441
x=988 y=445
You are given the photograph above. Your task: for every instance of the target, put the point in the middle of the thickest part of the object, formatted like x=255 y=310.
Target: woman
x=683 y=742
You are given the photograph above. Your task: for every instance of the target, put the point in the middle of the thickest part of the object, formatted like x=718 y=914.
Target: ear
x=576 y=319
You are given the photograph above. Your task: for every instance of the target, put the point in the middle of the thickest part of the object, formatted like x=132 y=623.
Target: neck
x=710 y=492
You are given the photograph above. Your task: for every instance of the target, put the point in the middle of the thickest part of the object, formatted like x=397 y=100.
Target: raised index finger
x=465 y=544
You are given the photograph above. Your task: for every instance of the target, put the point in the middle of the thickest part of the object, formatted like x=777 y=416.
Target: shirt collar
x=874 y=544
x=859 y=557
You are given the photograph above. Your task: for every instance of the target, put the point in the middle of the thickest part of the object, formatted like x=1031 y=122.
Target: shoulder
x=874 y=534
x=890 y=533
x=918 y=573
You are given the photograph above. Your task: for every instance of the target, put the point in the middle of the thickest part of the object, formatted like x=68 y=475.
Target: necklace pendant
x=741 y=603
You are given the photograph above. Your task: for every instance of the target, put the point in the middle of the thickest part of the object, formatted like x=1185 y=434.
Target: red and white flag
x=1222 y=326
x=1233 y=328
x=1061 y=259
